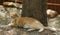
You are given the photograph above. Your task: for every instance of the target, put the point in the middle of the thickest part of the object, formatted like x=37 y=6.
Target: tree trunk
x=35 y=9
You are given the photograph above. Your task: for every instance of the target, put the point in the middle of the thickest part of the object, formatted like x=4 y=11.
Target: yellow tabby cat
x=27 y=22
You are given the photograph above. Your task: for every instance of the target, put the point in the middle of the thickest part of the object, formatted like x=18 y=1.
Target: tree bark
x=35 y=9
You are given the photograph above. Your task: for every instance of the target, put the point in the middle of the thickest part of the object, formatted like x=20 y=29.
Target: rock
x=13 y=4
x=54 y=22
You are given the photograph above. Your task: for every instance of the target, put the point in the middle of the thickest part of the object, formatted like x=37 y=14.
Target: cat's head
x=14 y=15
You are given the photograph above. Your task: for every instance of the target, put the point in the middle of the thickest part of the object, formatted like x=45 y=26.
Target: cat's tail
x=52 y=29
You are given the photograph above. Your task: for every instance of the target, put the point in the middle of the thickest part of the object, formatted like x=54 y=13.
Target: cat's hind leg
x=31 y=29
x=41 y=29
